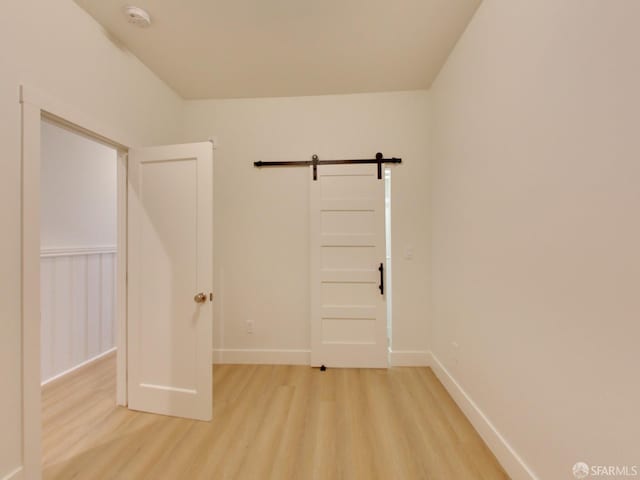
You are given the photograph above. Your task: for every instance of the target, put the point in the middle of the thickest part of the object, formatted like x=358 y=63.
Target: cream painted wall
x=262 y=215
x=78 y=187
x=536 y=232
x=56 y=47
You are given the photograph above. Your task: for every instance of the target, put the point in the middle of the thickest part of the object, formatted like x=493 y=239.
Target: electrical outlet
x=249 y=326
x=408 y=253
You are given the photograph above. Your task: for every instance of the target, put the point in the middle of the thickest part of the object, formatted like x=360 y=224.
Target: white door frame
x=34 y=107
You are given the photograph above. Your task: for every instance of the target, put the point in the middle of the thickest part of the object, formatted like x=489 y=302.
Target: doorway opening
x=37 y=107
x=78 y=287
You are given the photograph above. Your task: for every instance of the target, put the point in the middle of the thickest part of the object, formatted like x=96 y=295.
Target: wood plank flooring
x=270 y=422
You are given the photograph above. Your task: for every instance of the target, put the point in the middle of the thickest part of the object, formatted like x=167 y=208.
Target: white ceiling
x=271 y=48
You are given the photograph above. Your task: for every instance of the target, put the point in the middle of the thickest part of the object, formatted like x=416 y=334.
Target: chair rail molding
x=47 y=252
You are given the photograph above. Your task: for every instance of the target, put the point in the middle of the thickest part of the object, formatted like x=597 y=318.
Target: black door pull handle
x=381 y=286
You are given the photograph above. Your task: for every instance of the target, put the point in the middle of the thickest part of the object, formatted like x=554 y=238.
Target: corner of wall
x=513 y=464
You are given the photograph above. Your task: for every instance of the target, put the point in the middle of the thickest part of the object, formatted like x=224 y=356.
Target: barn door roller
x=315 y=161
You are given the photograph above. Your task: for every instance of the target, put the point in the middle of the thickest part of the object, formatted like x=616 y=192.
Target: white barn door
x=170 y=277
x=348 y=310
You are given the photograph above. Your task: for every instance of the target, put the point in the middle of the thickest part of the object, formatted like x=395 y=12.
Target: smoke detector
x=137 y=16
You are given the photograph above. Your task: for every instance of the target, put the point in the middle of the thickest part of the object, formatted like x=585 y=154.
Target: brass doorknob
x=200 y=298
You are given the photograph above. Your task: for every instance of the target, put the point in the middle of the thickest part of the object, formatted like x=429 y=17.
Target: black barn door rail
x=315 y=161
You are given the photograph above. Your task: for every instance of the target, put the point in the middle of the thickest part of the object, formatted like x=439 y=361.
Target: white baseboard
x=79 y=366
x=266 y=357
x=409 y=358
x=513 y=464
x=403 y=358
x=15 y=475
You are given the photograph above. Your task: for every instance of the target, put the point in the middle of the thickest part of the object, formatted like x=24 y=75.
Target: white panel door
x=348 y=311
x=170 y=224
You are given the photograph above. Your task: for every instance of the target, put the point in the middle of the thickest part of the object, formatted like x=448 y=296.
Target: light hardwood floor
x=270 y=422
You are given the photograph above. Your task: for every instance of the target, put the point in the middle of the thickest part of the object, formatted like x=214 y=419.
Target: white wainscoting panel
x=78 y=307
